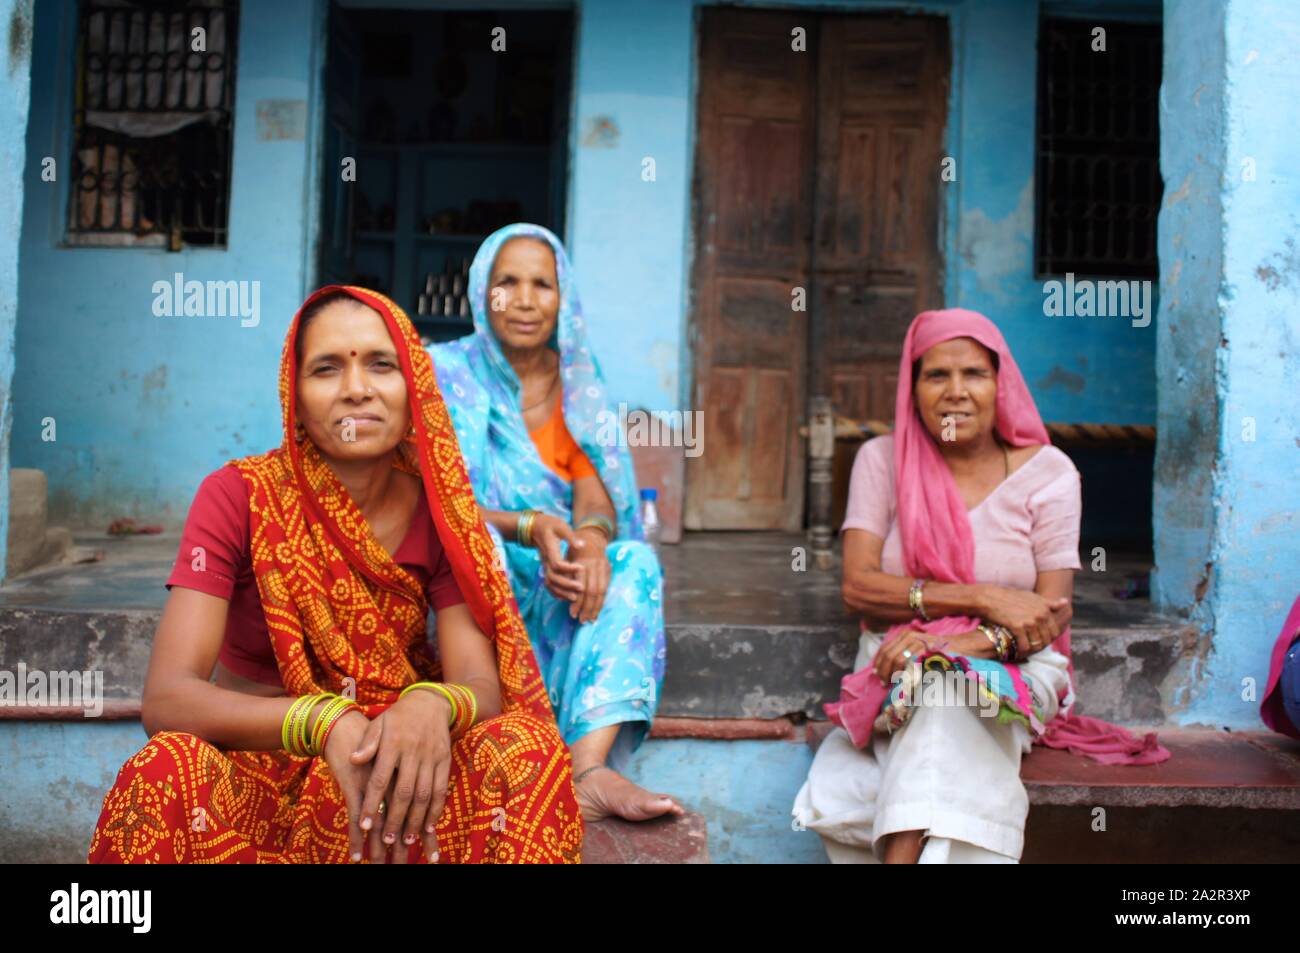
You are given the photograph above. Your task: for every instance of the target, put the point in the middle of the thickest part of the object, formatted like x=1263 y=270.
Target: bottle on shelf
x=650 y=517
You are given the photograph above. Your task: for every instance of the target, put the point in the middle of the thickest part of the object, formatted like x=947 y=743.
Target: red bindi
x=354 y=353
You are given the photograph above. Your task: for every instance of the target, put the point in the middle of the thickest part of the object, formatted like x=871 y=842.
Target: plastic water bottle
x=650 y=517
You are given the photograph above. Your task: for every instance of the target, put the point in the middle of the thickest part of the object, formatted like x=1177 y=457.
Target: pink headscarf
x=1270 y=708
x=938 y=544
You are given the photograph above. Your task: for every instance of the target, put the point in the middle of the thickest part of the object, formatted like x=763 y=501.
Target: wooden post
x=821 y=451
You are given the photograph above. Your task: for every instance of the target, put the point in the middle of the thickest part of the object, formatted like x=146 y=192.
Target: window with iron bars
x=153 y=122
x=1098 y=149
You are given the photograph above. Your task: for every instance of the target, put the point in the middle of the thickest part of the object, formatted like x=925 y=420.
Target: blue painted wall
x=744 y=789
x=51 y=800
x=1254 y=541
x=145 y=406
x=631 y=241
x=629 y=237
x=1188 y=327
x=15 y=94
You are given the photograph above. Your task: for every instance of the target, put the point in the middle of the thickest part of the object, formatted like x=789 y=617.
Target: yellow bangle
x=289 y=715
x=304 y=732
x=467 y=708
x=291 y=732
x=441 y=689
x=334 y=710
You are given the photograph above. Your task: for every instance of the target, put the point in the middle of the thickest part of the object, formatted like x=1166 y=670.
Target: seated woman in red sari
x=332 y=733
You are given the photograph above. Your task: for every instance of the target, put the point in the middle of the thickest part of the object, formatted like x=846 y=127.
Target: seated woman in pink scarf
x=961 y=540
x=1280 y=708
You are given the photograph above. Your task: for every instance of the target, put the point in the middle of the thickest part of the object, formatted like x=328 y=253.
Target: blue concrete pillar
x=1228 y=355
x=629 y=218
x=15 y=95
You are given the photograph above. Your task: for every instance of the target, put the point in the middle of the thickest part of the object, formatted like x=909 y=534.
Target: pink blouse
x=1027 y=525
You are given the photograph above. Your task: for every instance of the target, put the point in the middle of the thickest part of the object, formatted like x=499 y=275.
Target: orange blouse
x=558 y=450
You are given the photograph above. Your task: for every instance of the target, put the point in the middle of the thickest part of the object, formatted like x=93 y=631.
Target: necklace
x=549 y=387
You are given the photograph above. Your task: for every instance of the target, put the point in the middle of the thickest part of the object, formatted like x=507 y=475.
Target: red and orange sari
x=345 y=618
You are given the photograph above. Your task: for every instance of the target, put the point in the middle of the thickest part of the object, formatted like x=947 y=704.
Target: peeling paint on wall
x=997 y=249
x=19 y=42
x=1287 y=267
x=1060 y=377
x=281 y=119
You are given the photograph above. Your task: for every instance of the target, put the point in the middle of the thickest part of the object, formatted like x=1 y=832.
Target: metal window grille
x=1098 y=149
x=153 y=122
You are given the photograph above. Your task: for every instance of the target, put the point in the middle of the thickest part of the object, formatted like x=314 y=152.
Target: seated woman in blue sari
x=528 y=402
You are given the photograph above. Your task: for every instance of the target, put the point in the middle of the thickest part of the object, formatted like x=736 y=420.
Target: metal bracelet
x=524 y=527
x=992 y=637
x=916 y=600
x=596 y=521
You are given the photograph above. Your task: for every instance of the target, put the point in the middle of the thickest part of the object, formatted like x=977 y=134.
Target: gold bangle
x=1013 y=649
x=596 y=521
x=524 y=527
x=992 y=637
x=916 y=599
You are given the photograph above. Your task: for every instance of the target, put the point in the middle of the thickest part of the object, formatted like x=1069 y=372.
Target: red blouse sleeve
x=214 y=543
x=442 y=590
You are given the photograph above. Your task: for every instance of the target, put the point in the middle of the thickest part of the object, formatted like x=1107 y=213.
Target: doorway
x=451 y=139
x=816 y=223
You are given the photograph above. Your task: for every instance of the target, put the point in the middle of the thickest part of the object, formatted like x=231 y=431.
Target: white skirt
x=948 y=772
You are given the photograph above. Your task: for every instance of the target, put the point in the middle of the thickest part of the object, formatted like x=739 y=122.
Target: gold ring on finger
x=382 y=807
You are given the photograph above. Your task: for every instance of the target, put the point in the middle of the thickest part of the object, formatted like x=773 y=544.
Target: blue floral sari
x=600 y=673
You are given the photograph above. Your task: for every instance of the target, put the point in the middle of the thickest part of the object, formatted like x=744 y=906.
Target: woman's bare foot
x=603 y=792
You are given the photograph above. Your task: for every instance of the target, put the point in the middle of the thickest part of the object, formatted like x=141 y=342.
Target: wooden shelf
x=464 y=237
x=476 y=149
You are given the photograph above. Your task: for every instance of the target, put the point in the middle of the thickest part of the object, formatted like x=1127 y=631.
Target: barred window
x=1098 y=149
x=153 y=122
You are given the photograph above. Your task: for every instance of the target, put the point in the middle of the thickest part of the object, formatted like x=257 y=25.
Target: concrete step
x=666 y=840
x=751 y=635
x=755 y=632
x=62 y=764
x=1126 y=675
x=1222 y=797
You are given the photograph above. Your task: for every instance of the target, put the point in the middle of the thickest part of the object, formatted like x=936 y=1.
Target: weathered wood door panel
x=816 y=170
x=754 y=211
x=882 y=99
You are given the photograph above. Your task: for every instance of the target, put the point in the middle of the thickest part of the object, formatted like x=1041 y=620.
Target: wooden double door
x=816 y=220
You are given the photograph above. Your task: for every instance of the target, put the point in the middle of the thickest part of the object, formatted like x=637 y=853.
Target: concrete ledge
x=768 y=671
x=750 y=637
x=726 y=729
x=664 y=840
x=1213 y=769
x=1206 y=768
x=114 y=710
x=762 y=672
x=1057 y=834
